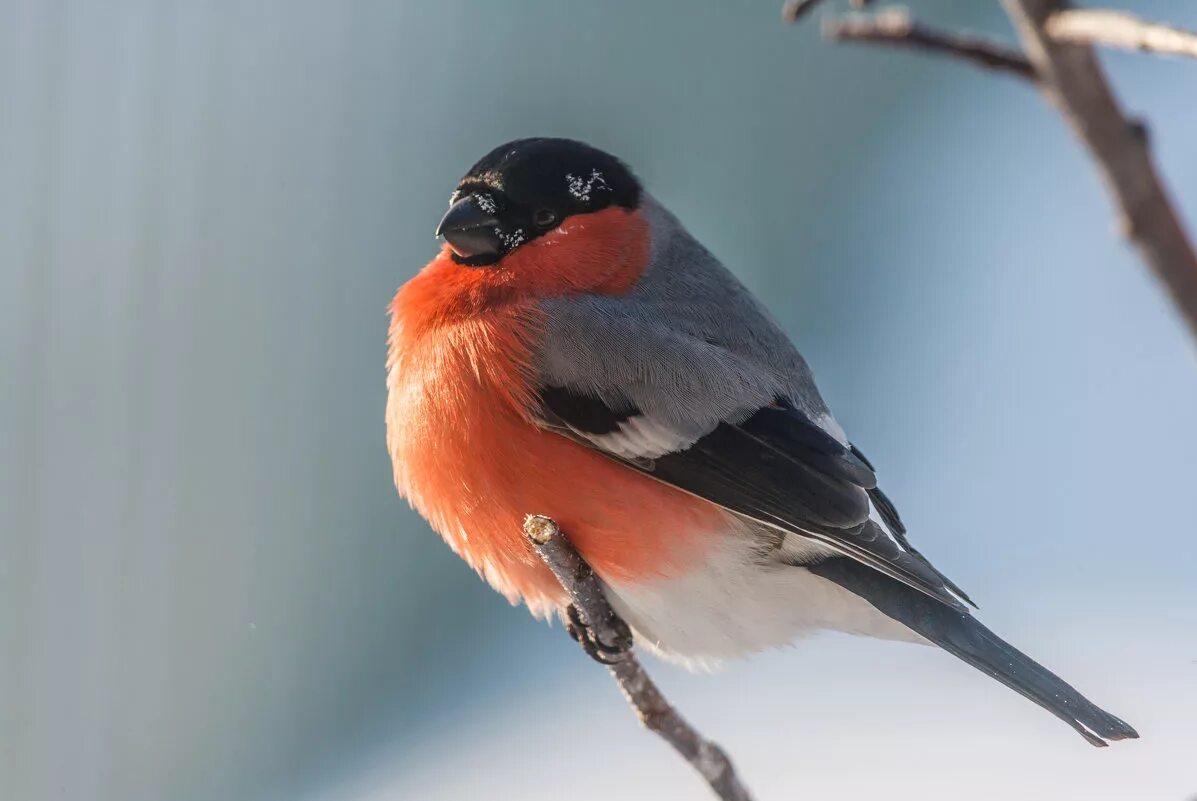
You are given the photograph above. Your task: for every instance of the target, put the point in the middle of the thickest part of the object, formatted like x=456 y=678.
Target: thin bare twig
x=893 y=26
x=1119 y=29
x=1073 y=80
x=654 y=711
x=794 y=10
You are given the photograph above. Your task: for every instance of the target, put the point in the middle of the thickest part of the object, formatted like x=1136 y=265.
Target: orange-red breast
x=572 y=351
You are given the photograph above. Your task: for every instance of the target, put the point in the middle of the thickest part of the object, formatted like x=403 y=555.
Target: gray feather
x=688 y=346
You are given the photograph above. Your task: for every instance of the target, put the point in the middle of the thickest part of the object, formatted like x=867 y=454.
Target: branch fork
x=1057 y=56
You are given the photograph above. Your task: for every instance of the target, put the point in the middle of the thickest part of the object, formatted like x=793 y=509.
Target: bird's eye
x=544 y=217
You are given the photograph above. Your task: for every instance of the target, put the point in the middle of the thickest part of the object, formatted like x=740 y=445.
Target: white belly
x=734 y=605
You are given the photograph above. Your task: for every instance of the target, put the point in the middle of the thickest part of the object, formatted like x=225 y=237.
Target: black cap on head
x=524 y=189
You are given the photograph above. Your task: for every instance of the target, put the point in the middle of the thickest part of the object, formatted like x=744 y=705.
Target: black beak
x=470 y=230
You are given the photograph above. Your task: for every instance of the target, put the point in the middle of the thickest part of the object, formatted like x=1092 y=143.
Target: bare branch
x=894 y=27
x=1119 y=29
x=1058 y=57
x=576 y=577
x=1073 y=80
x=654 y=711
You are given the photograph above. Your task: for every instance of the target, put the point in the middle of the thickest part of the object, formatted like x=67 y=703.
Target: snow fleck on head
x=486 y=202
x=512 y=240
x=580 y=188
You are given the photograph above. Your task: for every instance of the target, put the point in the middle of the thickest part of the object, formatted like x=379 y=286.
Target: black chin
x=481 y=260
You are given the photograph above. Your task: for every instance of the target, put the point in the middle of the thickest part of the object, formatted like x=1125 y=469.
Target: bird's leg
x=602 y=652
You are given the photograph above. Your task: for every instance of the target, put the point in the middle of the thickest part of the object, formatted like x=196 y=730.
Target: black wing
x=777 y=467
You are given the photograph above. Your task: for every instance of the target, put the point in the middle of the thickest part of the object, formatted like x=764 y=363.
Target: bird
x=573 y=351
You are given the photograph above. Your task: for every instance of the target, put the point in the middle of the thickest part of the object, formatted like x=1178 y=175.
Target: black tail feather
x=960 y=634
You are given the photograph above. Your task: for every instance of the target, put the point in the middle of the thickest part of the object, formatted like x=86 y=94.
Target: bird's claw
x=602 y=652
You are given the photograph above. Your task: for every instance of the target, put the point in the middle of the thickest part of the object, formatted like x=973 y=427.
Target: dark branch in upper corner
x=1057 y=56
x=893 y=26
x=651 y=706
x=1072 y=78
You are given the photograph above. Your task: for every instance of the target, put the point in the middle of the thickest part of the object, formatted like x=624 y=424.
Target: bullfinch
x=573 y=351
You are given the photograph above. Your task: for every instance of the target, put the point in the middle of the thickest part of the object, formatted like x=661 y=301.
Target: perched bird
x=572 y=351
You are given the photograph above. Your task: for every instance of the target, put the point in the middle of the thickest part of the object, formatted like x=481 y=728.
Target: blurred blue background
x=208 y=587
